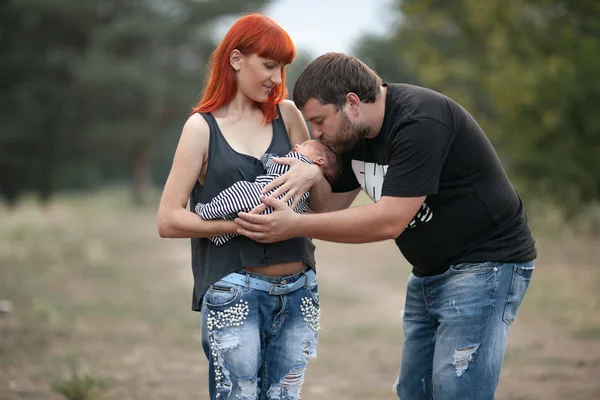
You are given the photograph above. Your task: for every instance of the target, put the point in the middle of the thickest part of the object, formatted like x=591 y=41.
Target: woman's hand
x=294 y=183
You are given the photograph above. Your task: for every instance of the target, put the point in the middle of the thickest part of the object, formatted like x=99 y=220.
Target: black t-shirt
x=430 y=146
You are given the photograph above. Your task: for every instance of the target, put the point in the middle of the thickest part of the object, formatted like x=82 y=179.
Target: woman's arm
x=174 y=220
x=320 y=191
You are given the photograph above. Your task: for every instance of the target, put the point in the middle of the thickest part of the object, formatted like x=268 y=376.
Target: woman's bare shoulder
x=294 y=122
x=195 y=135
x=197 y=124
x=289 y=109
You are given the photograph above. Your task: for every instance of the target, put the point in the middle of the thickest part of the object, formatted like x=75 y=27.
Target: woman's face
x=257 y=76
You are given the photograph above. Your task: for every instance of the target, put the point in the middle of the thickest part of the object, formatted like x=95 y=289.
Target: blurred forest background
x=93 y=96
x=95 y=92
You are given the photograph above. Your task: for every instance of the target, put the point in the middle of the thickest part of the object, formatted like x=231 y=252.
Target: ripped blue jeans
x=456 y=328
x=258 y=344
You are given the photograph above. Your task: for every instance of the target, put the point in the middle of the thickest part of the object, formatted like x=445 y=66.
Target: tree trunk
x=140 y=172
x=12 y=184
x=47 y=153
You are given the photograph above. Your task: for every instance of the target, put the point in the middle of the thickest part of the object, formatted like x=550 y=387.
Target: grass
x=91 y=281
x=587 y=333
x=80 y=386
x=85 y=270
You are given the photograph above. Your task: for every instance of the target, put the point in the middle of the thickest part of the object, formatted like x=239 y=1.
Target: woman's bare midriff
x=278 y=269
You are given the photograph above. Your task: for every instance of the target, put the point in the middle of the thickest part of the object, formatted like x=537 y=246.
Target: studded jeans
x=257 y=344
x=456 y=328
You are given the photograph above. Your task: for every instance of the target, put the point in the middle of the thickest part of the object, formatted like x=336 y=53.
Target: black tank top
x=225 y=167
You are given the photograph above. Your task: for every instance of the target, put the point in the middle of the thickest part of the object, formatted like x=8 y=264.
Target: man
x=440 y=191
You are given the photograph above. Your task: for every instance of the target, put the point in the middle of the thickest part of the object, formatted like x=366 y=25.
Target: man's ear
x=236 y=59
x=352 y=104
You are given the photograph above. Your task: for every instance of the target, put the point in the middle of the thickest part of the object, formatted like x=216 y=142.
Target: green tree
x=526 y=70
x=293 y=71
x=36 y=43
x=379 y=53
x=94 y=86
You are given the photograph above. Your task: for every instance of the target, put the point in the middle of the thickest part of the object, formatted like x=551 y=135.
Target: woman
x=259 y=303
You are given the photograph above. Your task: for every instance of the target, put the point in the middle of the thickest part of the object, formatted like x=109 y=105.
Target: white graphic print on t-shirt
x=370 y=176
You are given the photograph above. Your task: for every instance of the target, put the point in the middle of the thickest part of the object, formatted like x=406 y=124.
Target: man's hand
x=294 y=183
x=270 y=228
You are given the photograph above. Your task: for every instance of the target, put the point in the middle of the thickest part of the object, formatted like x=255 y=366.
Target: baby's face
x=311 y=149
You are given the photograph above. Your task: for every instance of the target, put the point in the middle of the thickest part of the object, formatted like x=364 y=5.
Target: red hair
x=251 y=34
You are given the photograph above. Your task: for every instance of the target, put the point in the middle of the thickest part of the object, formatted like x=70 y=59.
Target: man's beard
x=348 y=135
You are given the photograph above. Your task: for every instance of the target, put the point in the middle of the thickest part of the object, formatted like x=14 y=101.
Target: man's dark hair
x=330 y=77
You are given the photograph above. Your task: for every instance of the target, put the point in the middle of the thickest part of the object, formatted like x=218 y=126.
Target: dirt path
x=110 y=292
x=362 y=293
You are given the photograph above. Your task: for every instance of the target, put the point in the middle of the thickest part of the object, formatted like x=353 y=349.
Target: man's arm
x=386 y=219
x=417 y=153
x=319 y=194
x=341 y=201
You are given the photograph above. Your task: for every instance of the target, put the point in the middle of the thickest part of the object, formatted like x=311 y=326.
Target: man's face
x=332 y=126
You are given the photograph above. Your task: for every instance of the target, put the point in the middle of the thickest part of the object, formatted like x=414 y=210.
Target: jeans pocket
x=313 y=291
x=221 y=294
x=474 y=268
x=521 y=277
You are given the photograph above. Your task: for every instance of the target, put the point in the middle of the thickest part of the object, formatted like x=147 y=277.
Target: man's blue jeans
x=258 y=345
x=455 y=330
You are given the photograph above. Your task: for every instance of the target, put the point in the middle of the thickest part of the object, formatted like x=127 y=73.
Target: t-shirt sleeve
x=346 y=181
x=417 y=153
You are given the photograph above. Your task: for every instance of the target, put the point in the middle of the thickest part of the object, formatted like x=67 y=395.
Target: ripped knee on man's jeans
x=462 y=357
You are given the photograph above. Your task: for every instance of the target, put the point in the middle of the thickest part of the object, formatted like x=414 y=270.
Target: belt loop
x=247 y=286
x=305 y=279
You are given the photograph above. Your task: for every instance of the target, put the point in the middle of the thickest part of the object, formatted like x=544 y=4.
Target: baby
x=244 y=195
